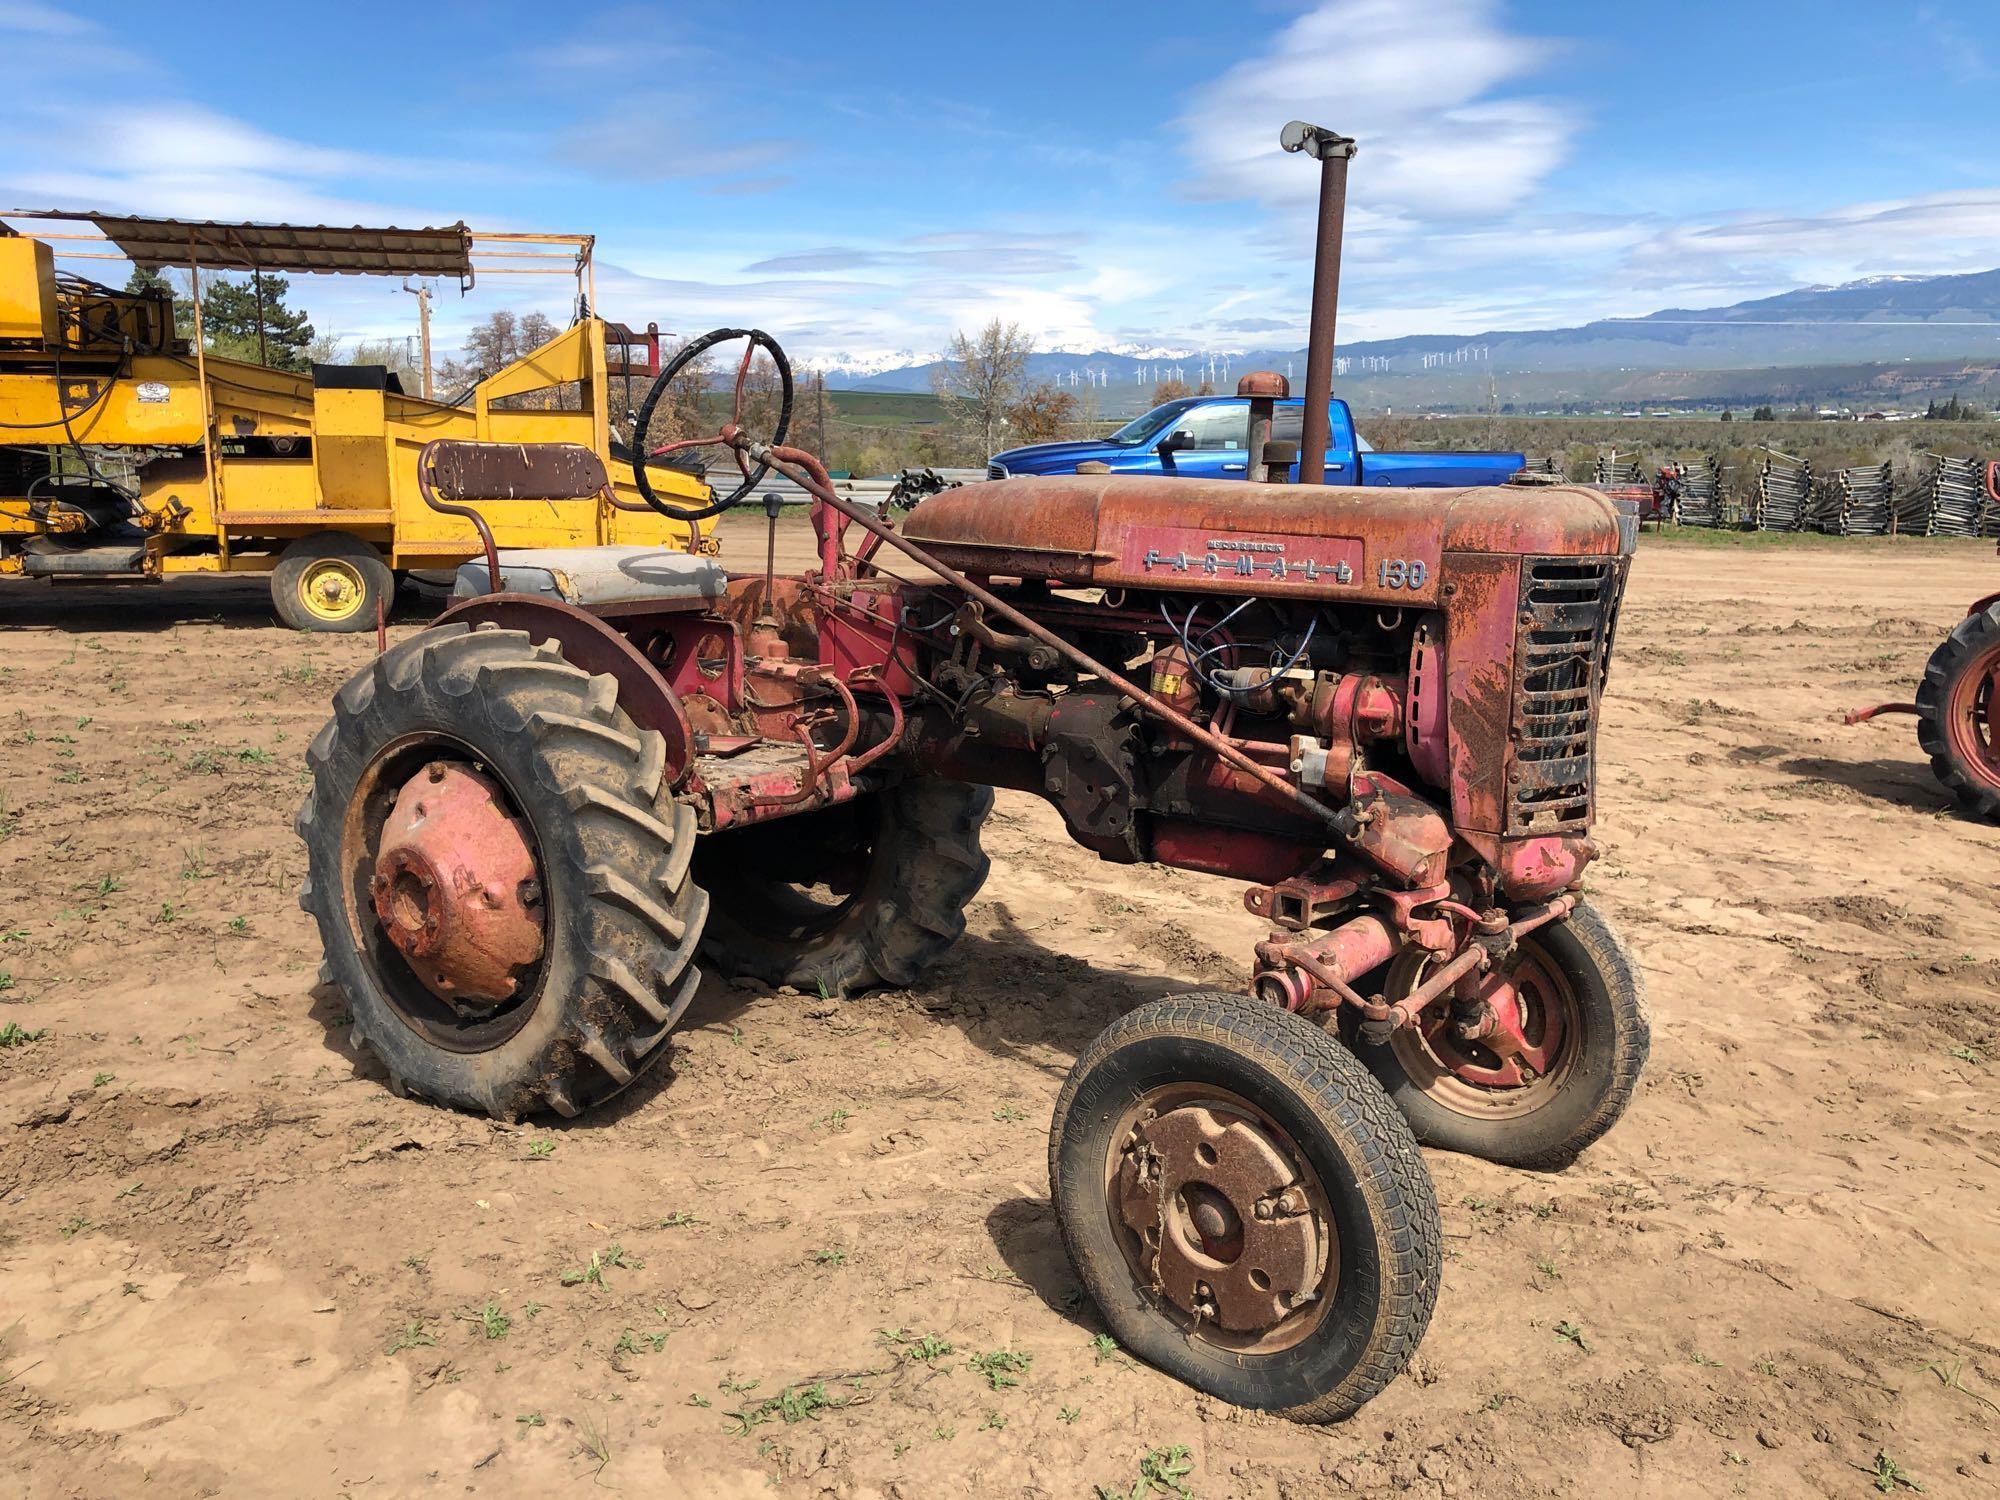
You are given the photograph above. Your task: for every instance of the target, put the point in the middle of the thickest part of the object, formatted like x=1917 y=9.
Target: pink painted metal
x=456 y=886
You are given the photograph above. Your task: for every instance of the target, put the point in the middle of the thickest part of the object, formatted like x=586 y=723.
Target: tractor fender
x=589 y=643
x=1980 y=606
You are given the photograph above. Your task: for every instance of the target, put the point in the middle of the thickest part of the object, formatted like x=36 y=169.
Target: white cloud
x=1418 y=86
x=1936 y=231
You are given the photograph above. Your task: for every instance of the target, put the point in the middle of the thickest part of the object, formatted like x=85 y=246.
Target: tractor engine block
x=1434 y=670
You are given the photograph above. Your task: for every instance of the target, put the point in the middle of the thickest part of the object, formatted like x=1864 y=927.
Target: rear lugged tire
x=1956 y=726
x=1311 y=1090
x=923 y=866
x=622 y=917
x=1598 y=1079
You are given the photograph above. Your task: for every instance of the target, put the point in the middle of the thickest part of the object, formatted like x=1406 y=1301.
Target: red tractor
x=1373 y=711
x=1958 y=702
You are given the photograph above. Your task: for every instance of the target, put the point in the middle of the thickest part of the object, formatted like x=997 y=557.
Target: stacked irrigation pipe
x=1857 y=501
x=1953 y=498
x=1784 y=493
x=1615 y=471
x=1698 y=498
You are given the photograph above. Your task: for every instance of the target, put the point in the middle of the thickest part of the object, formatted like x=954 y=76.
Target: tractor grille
x=1567 y=608
x=996 y=471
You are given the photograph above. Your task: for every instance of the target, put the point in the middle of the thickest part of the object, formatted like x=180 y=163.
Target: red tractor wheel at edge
x=1958 y=701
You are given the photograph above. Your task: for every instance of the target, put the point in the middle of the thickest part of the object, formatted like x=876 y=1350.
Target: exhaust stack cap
x=1264 y=383
x=1315 y=140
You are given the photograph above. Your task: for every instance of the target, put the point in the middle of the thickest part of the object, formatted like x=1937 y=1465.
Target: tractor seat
x=592 y=576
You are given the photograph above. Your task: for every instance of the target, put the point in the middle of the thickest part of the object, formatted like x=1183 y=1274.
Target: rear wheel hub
x=456 y=886
x=1970 y=711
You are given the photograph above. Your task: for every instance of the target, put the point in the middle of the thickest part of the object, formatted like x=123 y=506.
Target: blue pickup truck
x=1203 y=437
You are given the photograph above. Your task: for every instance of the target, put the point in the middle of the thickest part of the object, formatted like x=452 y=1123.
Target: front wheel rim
x=1450 y=1071
x=332 y=590
x=1225 y=1228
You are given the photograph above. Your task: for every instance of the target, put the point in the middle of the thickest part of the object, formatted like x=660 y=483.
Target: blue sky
x=863 y=179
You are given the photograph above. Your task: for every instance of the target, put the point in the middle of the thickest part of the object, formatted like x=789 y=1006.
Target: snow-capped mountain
x=1874 y=319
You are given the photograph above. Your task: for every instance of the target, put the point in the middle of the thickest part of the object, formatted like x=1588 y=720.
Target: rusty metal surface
x=593 y=646
x=1267 y=383
x=463 y=470
x=1479 y=677
x=456 y=888
x=452 y=472
x=1230 y=1234
x=807 y=470
x=295 y=248
x=1378 y=545
x=1333 y=153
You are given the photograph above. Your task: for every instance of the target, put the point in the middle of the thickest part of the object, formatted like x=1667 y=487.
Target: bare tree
x=1043 y=413
x=981 y=379
x=1170 y=390
x=494 y=344
x=685 y=409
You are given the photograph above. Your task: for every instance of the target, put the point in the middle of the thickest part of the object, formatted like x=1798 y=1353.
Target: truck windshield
x=1142 y=430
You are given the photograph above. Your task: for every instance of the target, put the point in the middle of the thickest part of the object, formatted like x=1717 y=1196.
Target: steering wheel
x=687 y=355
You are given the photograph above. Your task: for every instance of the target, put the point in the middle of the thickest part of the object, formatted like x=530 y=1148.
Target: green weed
x=491 y=1320
x=413 y=1336
x=1001 y=1367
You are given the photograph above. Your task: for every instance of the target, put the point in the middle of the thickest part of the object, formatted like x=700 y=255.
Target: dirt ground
x=232 y=1263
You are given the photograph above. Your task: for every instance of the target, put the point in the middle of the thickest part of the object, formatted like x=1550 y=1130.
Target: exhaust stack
x=1332 y=151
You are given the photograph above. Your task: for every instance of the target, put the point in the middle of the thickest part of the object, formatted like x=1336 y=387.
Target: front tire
x=1578 y=978
x=1212 y=1144
x=621 y=917
x=331 y=582
x=1959 y=700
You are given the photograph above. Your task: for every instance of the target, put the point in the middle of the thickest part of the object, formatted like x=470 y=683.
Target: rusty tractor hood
x=1273 y=539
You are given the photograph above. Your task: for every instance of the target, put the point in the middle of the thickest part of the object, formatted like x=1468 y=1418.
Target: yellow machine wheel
x=331 y=582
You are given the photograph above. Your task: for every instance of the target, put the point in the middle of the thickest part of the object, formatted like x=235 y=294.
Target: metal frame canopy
x=452 y=251
x=299 y=249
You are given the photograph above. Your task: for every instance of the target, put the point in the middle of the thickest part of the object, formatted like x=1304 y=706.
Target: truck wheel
x=1583 y=1012
x=331 y=582
x=1960 y=703
x=499 y=877
x=1246 y=1207
x=865 y=894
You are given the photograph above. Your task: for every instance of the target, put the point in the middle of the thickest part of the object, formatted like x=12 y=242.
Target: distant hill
x=1759 y=349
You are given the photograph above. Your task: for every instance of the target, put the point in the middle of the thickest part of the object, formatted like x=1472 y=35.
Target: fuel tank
x=1133 y=531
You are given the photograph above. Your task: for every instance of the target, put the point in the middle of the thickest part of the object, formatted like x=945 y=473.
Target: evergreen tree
x=229 y=314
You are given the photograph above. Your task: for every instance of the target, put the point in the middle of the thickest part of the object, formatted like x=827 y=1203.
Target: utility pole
x=423 y=295
x=257 y=281
x=819 y=410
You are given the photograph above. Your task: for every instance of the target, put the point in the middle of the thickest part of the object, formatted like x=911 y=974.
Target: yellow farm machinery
x=130 y=452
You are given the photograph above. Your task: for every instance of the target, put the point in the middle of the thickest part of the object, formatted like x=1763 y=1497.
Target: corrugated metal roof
x=355 y=251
